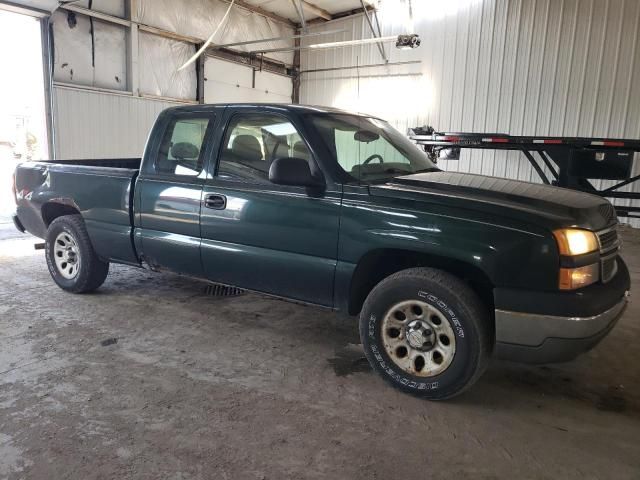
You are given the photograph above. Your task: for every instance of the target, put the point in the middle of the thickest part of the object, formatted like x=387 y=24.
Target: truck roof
x=280 y=106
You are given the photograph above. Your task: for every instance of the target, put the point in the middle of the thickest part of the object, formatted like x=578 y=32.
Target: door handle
x=216 y=202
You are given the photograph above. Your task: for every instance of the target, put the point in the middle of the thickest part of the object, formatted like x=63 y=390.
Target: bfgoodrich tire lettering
x=455 y=303
x=91 y=270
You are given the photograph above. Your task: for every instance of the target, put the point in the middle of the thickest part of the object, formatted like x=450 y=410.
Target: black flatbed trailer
x=572 y=161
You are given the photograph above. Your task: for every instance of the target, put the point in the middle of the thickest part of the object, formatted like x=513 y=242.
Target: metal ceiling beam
x=275 y=39
x=373 y=31
x=375 y=16
x=317 y=11
x=256 y=63
x=297 y=5
x=263 y=12
x=357 y=67
x=345 y=43
x=95 y=14
x=17 y=8
x=334 y=16
x=171 y=35
x=113 y=19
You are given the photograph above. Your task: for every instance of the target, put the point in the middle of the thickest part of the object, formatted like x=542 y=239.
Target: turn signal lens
x=573 y=241
x=573 y=278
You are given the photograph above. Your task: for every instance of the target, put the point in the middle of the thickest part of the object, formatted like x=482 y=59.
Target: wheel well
x=52 y=210
x=379 y=264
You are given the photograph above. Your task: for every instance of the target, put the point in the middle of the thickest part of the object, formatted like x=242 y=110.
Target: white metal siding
x=91 y=124
x=227 y=82
x=523 y=67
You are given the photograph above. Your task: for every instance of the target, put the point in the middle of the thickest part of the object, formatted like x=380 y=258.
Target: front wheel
x=426 y=332
x=72 y=262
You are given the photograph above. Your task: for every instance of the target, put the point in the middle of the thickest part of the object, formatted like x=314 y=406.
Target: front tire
x=71 y=260
x=426 y=332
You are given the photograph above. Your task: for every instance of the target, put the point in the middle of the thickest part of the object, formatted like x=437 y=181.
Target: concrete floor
x=152 y=378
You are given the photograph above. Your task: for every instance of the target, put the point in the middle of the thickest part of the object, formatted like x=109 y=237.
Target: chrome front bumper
x=533 y=338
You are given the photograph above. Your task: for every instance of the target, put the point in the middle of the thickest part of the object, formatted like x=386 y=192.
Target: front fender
x=518 y=256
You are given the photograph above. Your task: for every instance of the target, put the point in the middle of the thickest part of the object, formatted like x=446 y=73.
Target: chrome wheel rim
x=418 y=338
x=66 y=255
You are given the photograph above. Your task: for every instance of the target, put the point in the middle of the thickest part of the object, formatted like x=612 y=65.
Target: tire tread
x=464 y=296
x=97 y=268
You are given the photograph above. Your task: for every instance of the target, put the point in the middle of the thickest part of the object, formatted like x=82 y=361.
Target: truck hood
x=551 y=206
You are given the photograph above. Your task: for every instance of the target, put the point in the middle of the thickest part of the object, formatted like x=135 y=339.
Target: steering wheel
x=373 y=157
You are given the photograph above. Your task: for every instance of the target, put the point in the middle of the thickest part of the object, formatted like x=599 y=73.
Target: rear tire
x=71 y=260
x=426 y=332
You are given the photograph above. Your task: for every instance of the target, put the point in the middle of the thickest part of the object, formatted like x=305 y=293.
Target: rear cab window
x=182 y=147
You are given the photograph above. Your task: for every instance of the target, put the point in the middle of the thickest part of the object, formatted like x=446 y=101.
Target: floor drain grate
x=223 y=291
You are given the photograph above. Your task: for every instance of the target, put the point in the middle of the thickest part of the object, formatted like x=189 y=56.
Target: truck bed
x=101 y=190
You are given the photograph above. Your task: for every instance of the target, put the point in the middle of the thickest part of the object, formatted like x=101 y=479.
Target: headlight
x=574 y=241
x=573 y=278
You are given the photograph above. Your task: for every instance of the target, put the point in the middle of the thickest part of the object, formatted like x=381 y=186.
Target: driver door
x=280 y=240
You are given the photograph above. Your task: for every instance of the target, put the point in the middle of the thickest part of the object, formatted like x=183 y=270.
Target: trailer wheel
x=426 y=332
x=71 y=260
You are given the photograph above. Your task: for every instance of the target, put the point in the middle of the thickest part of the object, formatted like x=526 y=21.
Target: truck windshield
x=369 y=149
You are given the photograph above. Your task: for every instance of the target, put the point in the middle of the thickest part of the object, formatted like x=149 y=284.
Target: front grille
x=609 y=245
x=608 y=239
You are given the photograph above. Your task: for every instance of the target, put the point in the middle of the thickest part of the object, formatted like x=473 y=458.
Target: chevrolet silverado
x=338 y=210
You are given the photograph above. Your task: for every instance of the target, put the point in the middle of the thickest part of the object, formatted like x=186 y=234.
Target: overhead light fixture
x=402 y=41
x=406 y=42
x=346 y=43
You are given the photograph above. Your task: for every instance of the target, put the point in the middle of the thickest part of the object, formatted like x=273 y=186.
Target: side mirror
x=293 y=171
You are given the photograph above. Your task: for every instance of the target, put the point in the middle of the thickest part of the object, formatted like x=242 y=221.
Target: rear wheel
x=426 y=332
x=72 y=262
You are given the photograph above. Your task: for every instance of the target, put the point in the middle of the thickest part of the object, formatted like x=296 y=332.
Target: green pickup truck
x=339 y=210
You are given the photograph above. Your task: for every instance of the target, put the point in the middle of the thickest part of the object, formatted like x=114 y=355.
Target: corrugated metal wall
x=93 y=124
x=96 y=124
x=523 y=67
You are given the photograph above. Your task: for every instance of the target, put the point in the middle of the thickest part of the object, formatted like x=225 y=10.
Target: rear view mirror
x=365 y=136
x=293 y=171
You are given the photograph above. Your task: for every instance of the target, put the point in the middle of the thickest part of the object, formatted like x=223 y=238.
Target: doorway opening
x=23 y=125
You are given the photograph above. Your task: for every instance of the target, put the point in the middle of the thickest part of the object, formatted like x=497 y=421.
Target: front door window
x=253 y=142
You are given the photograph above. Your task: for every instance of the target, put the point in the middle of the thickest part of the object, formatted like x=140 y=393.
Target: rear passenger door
x=169 y=191
x=270 y=238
